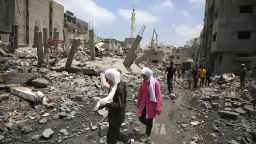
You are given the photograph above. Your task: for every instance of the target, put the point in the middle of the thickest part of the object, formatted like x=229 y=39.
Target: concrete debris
x=103 y=128
x=43 y=121
x=228 y=114
x=35 y=137
x=64 y=132
x=40 y=83
x=195 y=123
x=4 y=116
x=27 y=94
x=2 y=137
x=103 y=112
x=47 y=134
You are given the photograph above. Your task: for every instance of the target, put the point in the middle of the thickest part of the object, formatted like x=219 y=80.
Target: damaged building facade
x=35 y=15
x=75 y=27
x=228 y=38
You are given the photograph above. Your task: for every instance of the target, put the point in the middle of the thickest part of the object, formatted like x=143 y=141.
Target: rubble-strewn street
x=47 y=106
x=132 y=72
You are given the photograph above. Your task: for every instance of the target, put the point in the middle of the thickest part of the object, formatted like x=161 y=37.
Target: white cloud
x=186 y=14
x=186 y=32
x=88 y=10
x=163 y=4
x=141 y=17
x=197 y=3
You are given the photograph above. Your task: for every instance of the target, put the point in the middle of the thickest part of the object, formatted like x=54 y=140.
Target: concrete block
x=27 y=94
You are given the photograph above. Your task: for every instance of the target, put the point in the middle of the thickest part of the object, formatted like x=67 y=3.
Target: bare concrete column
x=56 y=37
x=45 y=32
x=131 y=56
x=46 y=56
x=72 y=53
x=35 y=31
x=66 y=42
x=91 y=41
x=40 y=52
x=14 y=39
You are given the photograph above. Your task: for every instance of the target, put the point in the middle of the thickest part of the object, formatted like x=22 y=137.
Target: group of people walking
x=149 y=104
x=203 y=75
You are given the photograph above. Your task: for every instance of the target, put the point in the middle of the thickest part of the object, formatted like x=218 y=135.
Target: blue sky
x=176 y=21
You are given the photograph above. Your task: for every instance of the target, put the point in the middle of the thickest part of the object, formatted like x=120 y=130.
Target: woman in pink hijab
x=149 y=101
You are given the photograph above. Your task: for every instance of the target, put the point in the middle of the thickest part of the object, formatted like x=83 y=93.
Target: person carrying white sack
x=116 y=104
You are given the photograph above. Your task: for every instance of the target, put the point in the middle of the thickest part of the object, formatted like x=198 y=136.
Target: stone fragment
x=233 y=142
x=35 y=137
x=40 y=83
x=63 y=114
x=47 y=134
x=240 y=111
x=2 y=137
x=103 y=128
x=215 y=105
x=64 y=132
x=250 y=110
x=216 y=129
x=43 y=120
x=26 y=130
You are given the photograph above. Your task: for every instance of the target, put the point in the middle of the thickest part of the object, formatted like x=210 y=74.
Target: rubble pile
x=53 y=106
x=226 y=107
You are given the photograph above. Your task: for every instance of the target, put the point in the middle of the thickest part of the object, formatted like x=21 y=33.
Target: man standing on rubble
x=242 y=75
x=170 y=72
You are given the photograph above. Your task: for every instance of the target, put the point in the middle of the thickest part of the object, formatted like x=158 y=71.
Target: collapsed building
x=228 y=36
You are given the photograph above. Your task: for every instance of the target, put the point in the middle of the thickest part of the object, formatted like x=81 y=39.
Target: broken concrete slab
x=27 y=94
x=228 y=114
x=40 y=83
